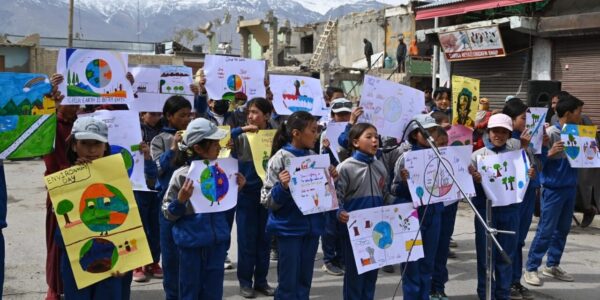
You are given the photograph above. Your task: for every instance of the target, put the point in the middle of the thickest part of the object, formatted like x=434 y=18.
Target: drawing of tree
x=511 y=179
x=497 y=168
x=63 y=208
x=69 y=77
x=572 y=140
x=504 y=181
x=168 y=89
x=162 y=82
x=505 y=165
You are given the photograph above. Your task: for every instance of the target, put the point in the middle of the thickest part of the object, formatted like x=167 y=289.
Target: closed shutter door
x=499 y=77
x=582 y=77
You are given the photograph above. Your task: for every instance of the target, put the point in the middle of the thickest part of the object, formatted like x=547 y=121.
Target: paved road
x=25 y=254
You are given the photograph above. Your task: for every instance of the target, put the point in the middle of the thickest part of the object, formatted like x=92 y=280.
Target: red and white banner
x=477 y=43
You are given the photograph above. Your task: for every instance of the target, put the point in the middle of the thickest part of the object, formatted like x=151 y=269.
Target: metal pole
x=488 y=251
x=70 y=30
x=434 y=61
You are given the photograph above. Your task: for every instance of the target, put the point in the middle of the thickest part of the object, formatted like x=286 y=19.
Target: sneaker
x=451 y=254
x=266 y=290
x=438 y=296
x=388 y=269
x=442 y=296
x=332 y=269
x=154 y=270
x=139 y=275
x=558 y=273
x=532 y=278
x=453 y=243
x=525 y=293
x=228 y=265
x=515 y=293
x=247 y=292
x=274 y=255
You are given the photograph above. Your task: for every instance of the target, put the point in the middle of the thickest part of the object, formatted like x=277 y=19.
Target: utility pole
x=70 y=37
x=434 y=61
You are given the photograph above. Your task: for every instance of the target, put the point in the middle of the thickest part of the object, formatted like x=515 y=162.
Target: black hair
x=441 y=132
x=298 y=120
x=264 y=105
x=567 y=104
x=356 y=131
x=427 y=89
x=441 y=90
x=551 y=112
x=182 y=158
x=174 y=104
x=72 y=155
x=439 y=117
x=332 y=90
x=514 y=108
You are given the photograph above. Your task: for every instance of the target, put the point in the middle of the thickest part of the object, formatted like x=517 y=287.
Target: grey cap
x=90 y=128
x=202 y=129
x=425 y=120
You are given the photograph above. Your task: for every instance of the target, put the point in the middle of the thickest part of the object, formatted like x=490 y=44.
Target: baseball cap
x=90 y=128
x=425 y=120
x=500 y=120
x=202 y=129
x=341 y=105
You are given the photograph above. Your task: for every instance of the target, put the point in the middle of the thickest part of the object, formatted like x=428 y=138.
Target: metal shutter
x=582 y=78
x=499 y=77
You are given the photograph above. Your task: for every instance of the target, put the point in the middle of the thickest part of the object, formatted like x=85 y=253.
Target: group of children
x=192 y=248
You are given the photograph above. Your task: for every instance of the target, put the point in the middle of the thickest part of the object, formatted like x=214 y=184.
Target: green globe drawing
x=383 y=235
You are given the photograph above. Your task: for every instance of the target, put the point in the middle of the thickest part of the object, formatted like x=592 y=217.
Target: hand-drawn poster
x=234 y=78
x=389 y=105
x=311 y=185
x=504 y=177
x=297 y=93
x=260 y=146
x=465 y=100
x=98 y=219
x=459 y=135
x=535 y=119
x=475 y=43
x=27 y=117
x=430 y=182
x=154 y=84
x=581 y=146
x=124 y=137
x=93 y=77
x=332 y=133
x=384 y=236
x=215 y=185
x=225 y=151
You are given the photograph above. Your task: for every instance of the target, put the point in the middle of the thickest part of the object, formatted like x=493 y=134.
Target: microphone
x=424 y=132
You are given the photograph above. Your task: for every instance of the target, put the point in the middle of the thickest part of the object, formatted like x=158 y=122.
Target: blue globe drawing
x=383 y=235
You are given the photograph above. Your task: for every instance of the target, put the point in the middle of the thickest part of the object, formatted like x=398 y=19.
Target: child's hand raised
x=185 y=193
x=343 y=216
x=145 y=150
x=284 y=178
x=558 y=147
x=476 y=175
x=82 y=161
x=176 y=139
x=333 y=172
x=250 y=128
x=326 y=143
x=356 y=113
x=404 y=174
x=531 y=172
x=525 y=139
x=240 y=180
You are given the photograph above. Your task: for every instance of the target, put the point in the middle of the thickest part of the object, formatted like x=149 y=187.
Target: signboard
x=476 y=43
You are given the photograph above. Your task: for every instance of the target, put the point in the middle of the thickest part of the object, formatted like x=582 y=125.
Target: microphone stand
x=490 y=232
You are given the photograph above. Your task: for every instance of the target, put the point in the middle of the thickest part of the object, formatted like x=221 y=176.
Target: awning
x=517 y=23
x=452 y=7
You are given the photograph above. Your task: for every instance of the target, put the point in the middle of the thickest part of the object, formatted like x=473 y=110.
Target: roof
x=439 y=3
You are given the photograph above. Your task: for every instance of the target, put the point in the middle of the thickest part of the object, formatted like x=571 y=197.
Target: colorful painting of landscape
x=27 y=117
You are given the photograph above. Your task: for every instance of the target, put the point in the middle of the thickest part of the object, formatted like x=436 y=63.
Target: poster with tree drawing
x=465 y=100
x=27 y=116
x=297 y=93
x=260 y=146
x=504 y=176
x=534 y=122
x=98 y=219
x=581 y=145
x=93 y=77
x=154 y=84
x=459 y=135
x=124 y=137
x=215 y=185
x=389 y=105
x=383 y=236
x=430 y=182
x=311 y=185
x=232 y=78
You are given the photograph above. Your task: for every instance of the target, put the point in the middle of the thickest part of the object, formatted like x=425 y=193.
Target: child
x=202 y=239
x=503 y=217
x=416 y=282
x=443 y=101
x=89 y=141
x=297 y=234
x=560 y=182
x=177 y=112
x=361 y=184
x=251 y=216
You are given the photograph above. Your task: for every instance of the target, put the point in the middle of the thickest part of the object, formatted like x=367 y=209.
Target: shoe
x=154 y=270
x=139 y=275
x=274 y=255
x=332 y=269
x=453 y=243
x=247 y=292
x=525 y=292
x=228 y=265
x=588 y=217
x=438 y=296
x=558 y=273
x=532 y=278
x=388 y=269
x=442 y=296
x=451 y=254
x=515 y=293
x=266 y=290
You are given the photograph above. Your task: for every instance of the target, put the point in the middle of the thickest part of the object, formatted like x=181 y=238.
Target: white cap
x=201 y=129
x=341 y=105
x=90 y=128
x=500 y=120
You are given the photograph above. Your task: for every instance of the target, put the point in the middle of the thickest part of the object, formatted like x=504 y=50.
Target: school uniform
x=416 y=283
x=149 y=206
x=251 y=215
x=202 y=240
x=503 y=218
x=297 y=234
x=361 y=184
x=440 y=268
x=559 y=182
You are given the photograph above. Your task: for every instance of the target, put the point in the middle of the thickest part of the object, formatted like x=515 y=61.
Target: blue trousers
x=331 y=240
x=503 y=218
x=295 y=266
x=525 y=215
x=356 y=287
x=204 y=274
x=553 y=228
x=170 y=259
x=416 y=282
x=230 y=215
x=149 y=207
x=109 y=288
x=253 y=243
x=440 y=269
x=2 y=258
